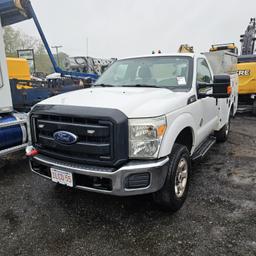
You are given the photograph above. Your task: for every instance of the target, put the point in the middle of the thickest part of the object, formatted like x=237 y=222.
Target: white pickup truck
x=137 y=129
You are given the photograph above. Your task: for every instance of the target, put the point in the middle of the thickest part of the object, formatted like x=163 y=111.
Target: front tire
x=174 y=192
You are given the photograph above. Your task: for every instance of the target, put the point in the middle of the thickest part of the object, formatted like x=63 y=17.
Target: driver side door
x=208 y=105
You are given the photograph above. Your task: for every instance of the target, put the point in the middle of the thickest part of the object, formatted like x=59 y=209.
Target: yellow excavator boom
x=185 y=48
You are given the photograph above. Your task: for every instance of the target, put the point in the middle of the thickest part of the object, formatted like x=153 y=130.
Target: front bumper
x=134 y=178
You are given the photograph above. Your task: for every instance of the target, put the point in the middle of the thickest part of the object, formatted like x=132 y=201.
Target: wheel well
x=185 y=138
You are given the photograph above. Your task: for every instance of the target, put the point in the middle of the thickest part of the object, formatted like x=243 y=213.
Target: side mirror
x=220 y=88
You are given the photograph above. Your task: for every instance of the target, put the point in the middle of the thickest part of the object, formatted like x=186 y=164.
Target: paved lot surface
x=218 y=218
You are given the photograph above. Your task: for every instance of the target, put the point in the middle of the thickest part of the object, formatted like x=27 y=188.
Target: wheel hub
x=181 y=177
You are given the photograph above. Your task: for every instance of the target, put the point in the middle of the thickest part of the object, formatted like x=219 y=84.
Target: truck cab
x=137 y=129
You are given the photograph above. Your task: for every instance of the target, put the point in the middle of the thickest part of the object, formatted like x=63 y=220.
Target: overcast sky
x=120 y=28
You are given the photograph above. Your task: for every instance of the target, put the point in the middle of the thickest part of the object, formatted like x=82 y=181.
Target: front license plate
x=64 y=178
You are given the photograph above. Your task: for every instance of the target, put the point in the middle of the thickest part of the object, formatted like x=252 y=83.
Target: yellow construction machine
x=185 y=48
x=19 y=69
x=247 y=69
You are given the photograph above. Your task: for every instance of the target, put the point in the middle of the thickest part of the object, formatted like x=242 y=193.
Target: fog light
x=139 y=180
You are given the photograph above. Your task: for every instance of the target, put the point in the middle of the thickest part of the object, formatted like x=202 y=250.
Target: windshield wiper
x=142 y=85
x=104 y=85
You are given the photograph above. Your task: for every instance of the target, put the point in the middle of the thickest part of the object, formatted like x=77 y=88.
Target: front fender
x=174 y=126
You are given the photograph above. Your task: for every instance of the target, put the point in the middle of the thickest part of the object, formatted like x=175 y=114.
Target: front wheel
x=174 y=192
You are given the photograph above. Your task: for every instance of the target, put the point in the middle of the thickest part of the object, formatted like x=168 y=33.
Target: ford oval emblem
x=64 y=137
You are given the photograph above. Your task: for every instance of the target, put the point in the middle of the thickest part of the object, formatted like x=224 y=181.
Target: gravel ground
x=218 y=218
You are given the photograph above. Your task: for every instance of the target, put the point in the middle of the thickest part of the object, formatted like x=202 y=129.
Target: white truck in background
x=13 y=125
x=138 y=129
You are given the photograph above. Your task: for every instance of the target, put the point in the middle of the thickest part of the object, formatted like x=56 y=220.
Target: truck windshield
x=172 y=72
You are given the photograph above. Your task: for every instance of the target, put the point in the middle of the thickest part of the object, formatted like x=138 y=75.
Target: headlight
x=145 y=137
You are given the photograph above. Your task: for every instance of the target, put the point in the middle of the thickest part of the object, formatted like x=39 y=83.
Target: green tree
x=12 y=41
x=17 y=40
x=42 y=60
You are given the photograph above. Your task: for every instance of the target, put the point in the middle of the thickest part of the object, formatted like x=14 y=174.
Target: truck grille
x=96 y=143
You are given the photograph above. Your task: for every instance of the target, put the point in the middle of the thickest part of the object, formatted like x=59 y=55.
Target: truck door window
x=203 y=72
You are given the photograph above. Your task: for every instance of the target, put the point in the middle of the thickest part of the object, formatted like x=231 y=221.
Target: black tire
x=223 y=133
x=254 y=107
x=167 y=197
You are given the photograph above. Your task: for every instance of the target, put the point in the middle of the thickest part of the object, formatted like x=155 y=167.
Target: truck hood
x=133 y=102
